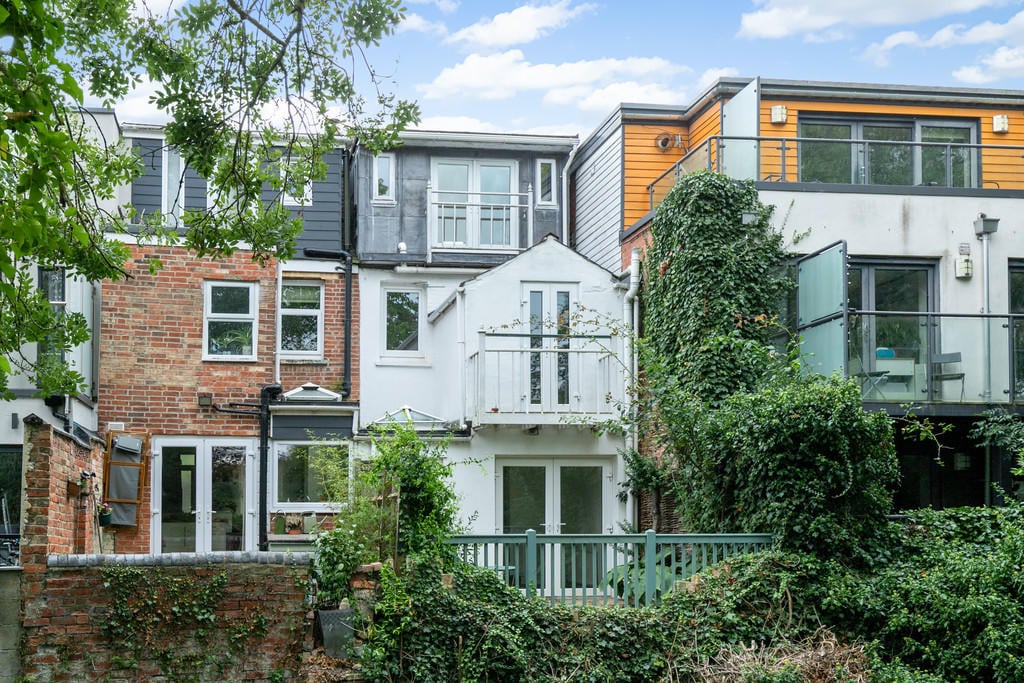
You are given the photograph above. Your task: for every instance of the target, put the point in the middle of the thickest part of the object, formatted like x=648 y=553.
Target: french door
x=551 y=369
x=556 y=496
x=204 y=495
x=475 y=203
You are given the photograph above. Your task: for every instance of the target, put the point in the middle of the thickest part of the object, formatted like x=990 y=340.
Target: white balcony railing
x=544 y=378
x=460 y=219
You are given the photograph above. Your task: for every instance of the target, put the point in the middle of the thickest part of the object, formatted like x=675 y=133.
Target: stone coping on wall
x=180 y=559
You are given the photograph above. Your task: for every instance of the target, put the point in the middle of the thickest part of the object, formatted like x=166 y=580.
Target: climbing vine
x=177 y=621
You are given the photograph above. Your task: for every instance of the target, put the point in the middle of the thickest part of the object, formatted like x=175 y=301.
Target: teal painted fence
x=624 y=569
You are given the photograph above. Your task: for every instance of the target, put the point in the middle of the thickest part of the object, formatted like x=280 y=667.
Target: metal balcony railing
x=938 y=357
x=543 y=378
x=850 y=162
x=603 y=569
x=462 y=219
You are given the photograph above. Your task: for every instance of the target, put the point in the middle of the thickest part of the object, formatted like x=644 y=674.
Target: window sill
x=229 y=359
x=384 y=202
x=304 y=361
x=403 y=362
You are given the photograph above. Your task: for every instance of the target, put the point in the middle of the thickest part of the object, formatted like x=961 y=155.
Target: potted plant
x=105 y=513
x=293 y=523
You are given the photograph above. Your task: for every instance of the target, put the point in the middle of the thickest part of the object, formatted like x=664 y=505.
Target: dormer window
x=474 y=204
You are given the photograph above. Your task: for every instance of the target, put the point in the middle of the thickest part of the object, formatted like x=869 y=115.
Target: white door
x=556 y=496
x=552 y=373
x=204 y=495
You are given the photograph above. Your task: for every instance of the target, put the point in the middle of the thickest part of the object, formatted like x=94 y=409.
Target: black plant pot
x=335 y=630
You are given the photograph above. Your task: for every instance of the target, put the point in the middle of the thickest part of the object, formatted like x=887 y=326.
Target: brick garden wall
x=258 y=630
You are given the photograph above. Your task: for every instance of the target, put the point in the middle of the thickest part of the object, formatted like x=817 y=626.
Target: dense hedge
x=951 y=608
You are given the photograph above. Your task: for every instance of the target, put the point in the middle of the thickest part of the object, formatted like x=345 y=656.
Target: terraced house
x=902 y=204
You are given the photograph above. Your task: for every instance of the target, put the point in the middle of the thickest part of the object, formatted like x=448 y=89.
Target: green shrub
x=800 y=459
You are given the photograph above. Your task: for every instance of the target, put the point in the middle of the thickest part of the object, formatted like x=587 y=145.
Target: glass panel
x=305 y=297
x=230 y=300
x=820 y=280
x=536 y=342
x=495 y=201
x=563 y=347
x=10 y=492
x=51 y=283
x=580 y=513
x=523 y=506
x=934 y=159
x=178 y=500
x=822 y=346
x=453 y=198
x=299 y=333
x=296 y=480
x=1017 y=338
x=228 y=497
x=889 y=164
x=403 y=319
x=229 y=338
x=826 y=162
x=547 y=181
x=383 y=176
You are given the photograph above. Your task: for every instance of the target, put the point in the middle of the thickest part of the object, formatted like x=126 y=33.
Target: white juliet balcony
x=536 y=379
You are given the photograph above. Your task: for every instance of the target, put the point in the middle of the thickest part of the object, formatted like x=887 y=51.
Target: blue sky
x=560 y=66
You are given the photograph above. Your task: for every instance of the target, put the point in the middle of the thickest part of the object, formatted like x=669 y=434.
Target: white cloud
x=417 y=24
x=136 y=107
x=1005 y=62
x=612 y=95
x=949 y=36
x=712 y=75
x=783 y=18
x=446 y=6
x=477 y=76
x=522 y=25
x=466 y=124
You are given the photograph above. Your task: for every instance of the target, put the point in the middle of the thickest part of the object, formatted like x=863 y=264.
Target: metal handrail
x=625 y=569
x=710 y=147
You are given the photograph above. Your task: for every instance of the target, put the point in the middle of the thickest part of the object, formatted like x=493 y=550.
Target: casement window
x=297 y=480
x=53 y=285
x=474 y=204
x=888 y=152
x=547 y=183
x=403 y=319
x=289 y=196
x=383 y=178
x=229 y=329
x=302 y=320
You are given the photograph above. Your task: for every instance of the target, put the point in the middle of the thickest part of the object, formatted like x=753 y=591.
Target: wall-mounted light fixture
x=205 y=400
x=779 y=113
x=963 y=267
x=14 y=421
x=1000 y=123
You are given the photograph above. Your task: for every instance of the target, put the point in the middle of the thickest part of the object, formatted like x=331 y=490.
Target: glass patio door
x=551 y=374
x=206 y=492
x=557 y=496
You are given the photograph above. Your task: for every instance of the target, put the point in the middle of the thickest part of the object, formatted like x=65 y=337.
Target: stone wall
x=10 y=623
x=238 y=616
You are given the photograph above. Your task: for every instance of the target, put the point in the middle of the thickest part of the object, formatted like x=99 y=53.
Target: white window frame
x=276 y=505
x=172 y=179
x=389 y=196
x=517 y=201
x=539 y=191
x=251 y=317
x=307 y=312
x=289 y=200
x=419 y=354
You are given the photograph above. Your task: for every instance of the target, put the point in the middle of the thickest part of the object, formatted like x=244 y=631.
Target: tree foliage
x=255 y=93
x=713 y=282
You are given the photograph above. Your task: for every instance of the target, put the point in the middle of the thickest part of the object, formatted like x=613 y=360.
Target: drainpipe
x=267 y=394
x=277 y=326
x=984 y=227
x=565 y=194
x=460 y=343
x=346 y=259
x=631 y=317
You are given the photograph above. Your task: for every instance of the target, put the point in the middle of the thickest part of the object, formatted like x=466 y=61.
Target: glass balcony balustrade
x=931 y=357
x=930 y=166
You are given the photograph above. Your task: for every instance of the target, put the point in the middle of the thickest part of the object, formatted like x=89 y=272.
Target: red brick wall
x=64 y=613
x=151 y=346
x=59 y=516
